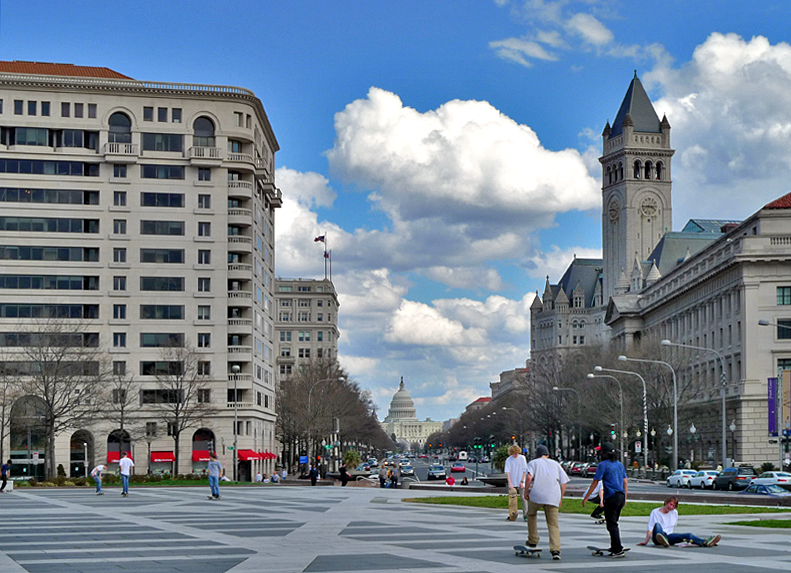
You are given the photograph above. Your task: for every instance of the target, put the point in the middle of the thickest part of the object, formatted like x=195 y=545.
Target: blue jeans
x=674 y=538
x=98 y=481
x=125 y=483
x=214 y=484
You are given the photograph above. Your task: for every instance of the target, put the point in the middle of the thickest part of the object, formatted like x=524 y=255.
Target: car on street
x=458 y=467
x=590 y=470
x=770 y=490
x=436 y=471
x=422 y=456
x=734 y=478
x=407 y=470
x=703 y=479
x=680 y=478
x=373 y=462
x=485 y=460
x=783 y=479
x=577 y=468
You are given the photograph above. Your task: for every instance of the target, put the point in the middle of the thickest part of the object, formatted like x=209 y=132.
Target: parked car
x=407 y=470
x=734 y=478
x=373 y=462
x=436 y=471
x=590 y=470
x=783 y=479
x=458 y=467
x=577 y=468
x=680 y=478
x=770 y=490
x=485 y=460
x=423 y=456
x=702 y=479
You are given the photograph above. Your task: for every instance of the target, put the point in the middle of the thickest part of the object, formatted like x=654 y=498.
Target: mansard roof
x=674 y=247
x=639 y=109
x=587 y=273
x=706 y=225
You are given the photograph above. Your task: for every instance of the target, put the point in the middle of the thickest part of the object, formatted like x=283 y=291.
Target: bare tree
x=61 y=366
x=183 y=394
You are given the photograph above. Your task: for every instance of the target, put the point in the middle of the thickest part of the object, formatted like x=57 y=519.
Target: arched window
x=648 y=170
x=637 y=169
x=203 y=129
x=609 y=176
x=659 y=170
x=120 y=128
x=620 y=171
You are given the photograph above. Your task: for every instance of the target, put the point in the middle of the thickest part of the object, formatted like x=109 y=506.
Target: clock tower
x=636 y=184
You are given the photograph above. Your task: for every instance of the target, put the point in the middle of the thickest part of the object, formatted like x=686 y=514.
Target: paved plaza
x=283 y=529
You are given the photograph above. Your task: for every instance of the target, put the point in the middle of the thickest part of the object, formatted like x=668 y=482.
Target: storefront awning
x=114 y=457
x=162 y=457
x=200 y=455
x=249 y=455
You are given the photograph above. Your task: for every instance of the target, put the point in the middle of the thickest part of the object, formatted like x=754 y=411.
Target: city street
x=329 y=529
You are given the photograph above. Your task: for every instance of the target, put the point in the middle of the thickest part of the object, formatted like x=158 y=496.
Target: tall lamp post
x=645 y=403
x=622 y=432
x=579 y=414
x=235 y=369
x=675 y=401
x=723 y=383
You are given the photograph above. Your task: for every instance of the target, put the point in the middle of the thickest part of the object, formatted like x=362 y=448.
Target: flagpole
x=325 y=256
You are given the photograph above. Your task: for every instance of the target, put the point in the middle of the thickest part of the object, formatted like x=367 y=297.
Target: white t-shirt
x=516 y=467
x=667 y=520
x=125 y=464
x=97 y=470
x=547 y=479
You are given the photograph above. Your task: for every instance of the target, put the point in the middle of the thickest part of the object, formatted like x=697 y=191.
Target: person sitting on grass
x=663 y=521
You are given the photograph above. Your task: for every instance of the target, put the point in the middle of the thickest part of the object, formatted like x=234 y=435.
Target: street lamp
x=620 y=396
x=235 y=369
x=675 y=399
x=692 y=430
x=579 y=412
x=722 y=385
x=732 y=428
x=85 y=465
x=645 y=402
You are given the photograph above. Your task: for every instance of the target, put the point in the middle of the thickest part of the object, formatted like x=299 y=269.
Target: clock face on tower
x=649 y=207
x=614 y=211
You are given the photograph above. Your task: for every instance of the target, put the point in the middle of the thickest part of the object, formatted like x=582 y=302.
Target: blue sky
x=450 y=148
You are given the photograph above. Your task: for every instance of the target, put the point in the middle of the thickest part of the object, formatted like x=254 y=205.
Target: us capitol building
x=402 y=421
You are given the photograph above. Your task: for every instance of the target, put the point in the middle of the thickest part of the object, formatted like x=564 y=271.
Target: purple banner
x=772 y=403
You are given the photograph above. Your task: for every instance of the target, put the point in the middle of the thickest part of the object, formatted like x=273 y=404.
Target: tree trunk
x=176 y=454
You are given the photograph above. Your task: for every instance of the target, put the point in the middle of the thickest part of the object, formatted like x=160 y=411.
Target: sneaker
x=712 y=541
x=530 y=545
x=620 y=553
x=99 y=493
x=524 y=517
x=661 y=539
x=555 y=555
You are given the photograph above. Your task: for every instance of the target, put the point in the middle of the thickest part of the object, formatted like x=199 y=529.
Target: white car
x=783 y=479
x=680 y=478
x=702 y=479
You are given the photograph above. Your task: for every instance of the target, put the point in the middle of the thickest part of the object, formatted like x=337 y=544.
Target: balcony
x=121 y=152
x=240 y=298
x=237 y=350
x=240 y=271
x=240 y=189
x=240 y=244
x=241 y=217
x=240 y=325
x=239 y=405
x=208 y=156
x=241 y=158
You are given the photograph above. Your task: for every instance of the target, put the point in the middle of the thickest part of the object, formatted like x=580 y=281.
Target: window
x=30 y=136
x=204 y=369
x=235 y=146
x=320 y=335
x=784 y=329
x=32 y=108
x=204 y=340
x=119 y=171
x=165 y=256
x=151 y=429
x=203 y=130
x=119 y=198
x=161 y=199
x=19 y=107
x=204 y=173
x=175 y=114
x=163 y=142
x=161 y=368
x=204 y=312
x=304 y=336
x=285 y=336
x=119 y=311
x=119 y=226
x=119 y=396
x=148 y=114
x=167 y=284
x=784 y=295
x=91 y=110
x=45 y=108
x=204 y=257
x=204 y=395
x=77 y=138
x=285 y=351
x=120 y=128
x=162 y=172
x=161 y=312
x=204 y=229
x=173 y=228
x=165 y=396
x=304 y=352
x=119 y=255
x=119 y=283
x=65 y=109
x=204 y=201
x=119 y=367
x=285 y=369
x=119 y=339
x=204 y=284
x=162 y=114
x=161 y=340
x=78 y=109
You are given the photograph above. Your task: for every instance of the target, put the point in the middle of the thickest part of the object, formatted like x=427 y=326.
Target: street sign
x=638 y=447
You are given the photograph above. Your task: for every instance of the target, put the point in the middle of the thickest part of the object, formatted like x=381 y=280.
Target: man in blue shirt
x=5 y=469
x=615 y=488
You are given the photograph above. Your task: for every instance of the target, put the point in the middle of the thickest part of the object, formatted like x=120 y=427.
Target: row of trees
x=556 y=400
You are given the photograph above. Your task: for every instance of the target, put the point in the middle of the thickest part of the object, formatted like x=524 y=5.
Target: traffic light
x=612 y=430
x=513 y=438
x=491 y=439
x=318 y=458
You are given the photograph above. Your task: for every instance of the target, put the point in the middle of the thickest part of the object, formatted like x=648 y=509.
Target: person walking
x=344 y=475
x=515 y=471
x=215 y=469
x=663 y=521
x=394 y=475
x=125 y=465
x=612 y=475
x=313 y=474
x=283 y=474
x=96 y=474
x=548 y=481
x=382 y=476
x=5 y=470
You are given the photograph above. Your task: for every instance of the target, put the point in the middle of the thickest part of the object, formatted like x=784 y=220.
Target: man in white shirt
x=549 y=485
x=515 y=471
x=125 y=464
x=663 y=521
x=96 y=474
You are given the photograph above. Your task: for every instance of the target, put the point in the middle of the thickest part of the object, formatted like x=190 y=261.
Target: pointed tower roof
x=653 y=275
x=637 y=107
x=537 y=304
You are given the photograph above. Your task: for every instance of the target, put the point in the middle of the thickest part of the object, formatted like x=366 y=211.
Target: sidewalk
x=332 y=529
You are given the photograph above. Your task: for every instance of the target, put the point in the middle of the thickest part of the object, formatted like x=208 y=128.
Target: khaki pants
x=551 y=513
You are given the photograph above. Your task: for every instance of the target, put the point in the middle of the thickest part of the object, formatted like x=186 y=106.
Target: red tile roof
x=783 y=202
x=482 y=400
x=48 y=69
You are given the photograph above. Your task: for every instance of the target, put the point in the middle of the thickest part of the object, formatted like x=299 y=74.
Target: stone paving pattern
x=282 y=529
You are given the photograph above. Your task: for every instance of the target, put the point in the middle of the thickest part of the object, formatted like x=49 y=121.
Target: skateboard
x=526 y=551
x=599 y=521
x=603 y=552
x=513 y=506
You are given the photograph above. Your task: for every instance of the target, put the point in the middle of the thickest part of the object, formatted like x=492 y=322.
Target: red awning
x=271 y=456
x=114 y=457
x=162 y=457
x=200 y=455
x=249 y=455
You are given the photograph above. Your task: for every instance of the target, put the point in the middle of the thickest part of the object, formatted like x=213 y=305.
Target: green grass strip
x=631 y=509
x=771 y=523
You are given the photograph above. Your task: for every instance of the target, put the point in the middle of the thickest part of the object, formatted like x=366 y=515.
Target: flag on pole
x=318 y=239
x=326 y=255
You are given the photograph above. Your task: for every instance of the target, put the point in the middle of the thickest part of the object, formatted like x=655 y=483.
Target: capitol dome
x=401 y=406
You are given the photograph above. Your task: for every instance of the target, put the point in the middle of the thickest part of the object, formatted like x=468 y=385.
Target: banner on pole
x=772 y=405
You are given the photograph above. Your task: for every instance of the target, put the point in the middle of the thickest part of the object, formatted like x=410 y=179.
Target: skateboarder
x=663 y=521
x=612 y=476
x=125 y=465
x=515 y=471
x=549 y=484
x=215 y=468
x=597 y=498
x=96 y=474
x=5 y=469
